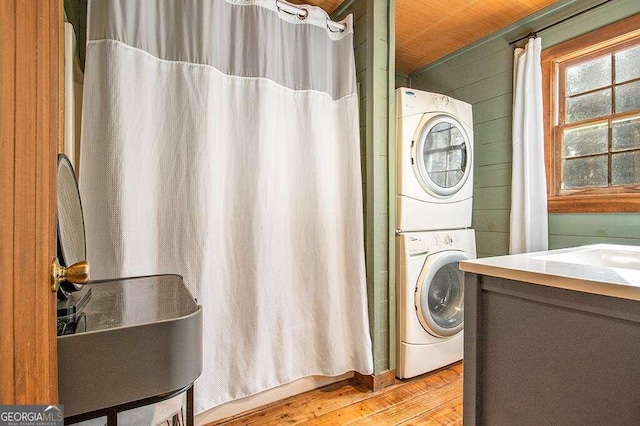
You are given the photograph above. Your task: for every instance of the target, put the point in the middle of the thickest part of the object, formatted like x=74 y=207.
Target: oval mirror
x=70 y=223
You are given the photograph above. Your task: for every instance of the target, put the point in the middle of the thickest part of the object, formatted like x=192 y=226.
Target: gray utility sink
x=143 y=337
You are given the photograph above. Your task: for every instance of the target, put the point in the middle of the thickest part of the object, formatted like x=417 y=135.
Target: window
x=592 y=120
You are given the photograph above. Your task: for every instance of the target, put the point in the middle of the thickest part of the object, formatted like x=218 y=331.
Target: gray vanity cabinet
x=541 y=355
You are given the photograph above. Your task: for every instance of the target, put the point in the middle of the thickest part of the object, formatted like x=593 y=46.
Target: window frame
x=589 y=200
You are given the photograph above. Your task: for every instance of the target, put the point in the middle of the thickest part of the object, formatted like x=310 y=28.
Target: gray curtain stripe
x=202 y=32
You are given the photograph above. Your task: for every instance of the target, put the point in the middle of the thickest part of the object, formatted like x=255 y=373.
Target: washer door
x=440 y=294
x=441 y=156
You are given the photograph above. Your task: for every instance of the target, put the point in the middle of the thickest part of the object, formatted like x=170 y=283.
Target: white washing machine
x=434 y=143
x=430 y=299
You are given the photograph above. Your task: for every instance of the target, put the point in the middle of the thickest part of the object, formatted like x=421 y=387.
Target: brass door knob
x=78 y=273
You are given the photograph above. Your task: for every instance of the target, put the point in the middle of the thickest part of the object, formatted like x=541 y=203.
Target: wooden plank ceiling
x=427 y=30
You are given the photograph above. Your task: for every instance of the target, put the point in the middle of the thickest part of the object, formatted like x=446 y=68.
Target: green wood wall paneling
x=361 y=56
x=493 y=108
x=494 y=175
x=402 y=81
x=378 y=58
x=491 y=220
x=363 y=167
x=359 y=33
x=563 y=241
x=381 y=258
x=495 y=198
x=493 y=86
x=481 y=255
x=494 y=243
x=461 y=59
x=454 y=78
x=355 y=7
x=381 y=64
x=361 y=77
x=381 y=125
x=391 y=162
x=381 y=294
x=615 y=225
x=494 y=153
x=362 y=110
x=600 y=17
x=371 y=55
x=491 y=131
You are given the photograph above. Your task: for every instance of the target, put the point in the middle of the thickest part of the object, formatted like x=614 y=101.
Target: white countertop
x=606 y=269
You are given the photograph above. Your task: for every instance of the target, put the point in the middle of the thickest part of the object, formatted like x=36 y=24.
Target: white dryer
x=430 y=299
x=434 y=154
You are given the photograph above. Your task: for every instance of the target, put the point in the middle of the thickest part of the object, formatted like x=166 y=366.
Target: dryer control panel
x=440 y=100
x=411 y=101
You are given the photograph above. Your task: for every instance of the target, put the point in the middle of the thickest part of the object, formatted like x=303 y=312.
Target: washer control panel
x=423 y=242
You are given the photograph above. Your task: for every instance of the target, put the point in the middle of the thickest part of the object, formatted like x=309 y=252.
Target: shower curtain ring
x=335 y=27
x=298 y=11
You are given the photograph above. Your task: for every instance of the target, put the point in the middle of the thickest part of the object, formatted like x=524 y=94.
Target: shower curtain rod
x=575 y=15
x=302 y=13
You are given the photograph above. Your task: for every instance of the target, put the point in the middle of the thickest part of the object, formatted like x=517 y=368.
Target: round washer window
x=445 y=297
x=440 y=294
x=443 y=156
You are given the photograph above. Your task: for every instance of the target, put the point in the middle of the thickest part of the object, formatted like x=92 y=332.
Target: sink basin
x=603 y=255
x=141 y=337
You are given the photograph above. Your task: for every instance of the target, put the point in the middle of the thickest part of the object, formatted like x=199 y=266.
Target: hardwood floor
x=430 y=399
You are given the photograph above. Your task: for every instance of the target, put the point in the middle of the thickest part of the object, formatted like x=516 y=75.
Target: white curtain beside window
x=529 y=217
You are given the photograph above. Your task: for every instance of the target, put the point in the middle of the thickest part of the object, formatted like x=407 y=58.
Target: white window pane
x=593 y=105
x=628 y=97
x=628 y=64
x=626 y=134
x=585 y=140
x=589 y=75
x=625 y=168
x=584 y=172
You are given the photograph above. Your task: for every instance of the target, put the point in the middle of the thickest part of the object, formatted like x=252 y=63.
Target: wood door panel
x=29 y=128
x=24 y=261
x=7 y=136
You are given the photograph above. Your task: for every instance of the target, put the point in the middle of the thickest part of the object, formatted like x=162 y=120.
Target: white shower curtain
x=220 y=142
x=529 y=218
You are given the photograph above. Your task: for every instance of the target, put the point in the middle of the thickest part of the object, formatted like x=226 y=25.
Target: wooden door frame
x=30 y=130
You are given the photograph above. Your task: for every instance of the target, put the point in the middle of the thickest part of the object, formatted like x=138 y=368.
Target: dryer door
x=440 y=294
x=441 y=156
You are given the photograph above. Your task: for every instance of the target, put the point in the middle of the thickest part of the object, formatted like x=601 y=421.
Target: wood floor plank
x=292 y=402
x=389 y=398
x=449 y=413
x=412 y=407
x=308 y=405
x=434 y=398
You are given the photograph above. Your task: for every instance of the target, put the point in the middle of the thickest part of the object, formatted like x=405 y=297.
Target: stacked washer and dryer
x=434 y=198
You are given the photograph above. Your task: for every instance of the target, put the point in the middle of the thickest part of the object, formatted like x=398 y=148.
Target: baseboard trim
x=376 y=382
